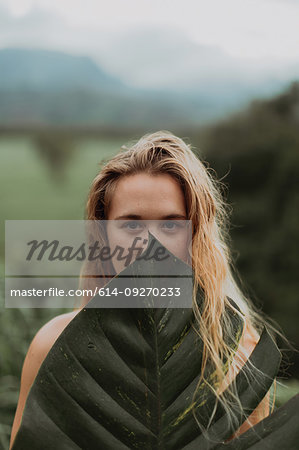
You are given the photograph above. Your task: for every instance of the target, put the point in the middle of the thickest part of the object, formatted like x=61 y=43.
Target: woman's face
x=143 y=203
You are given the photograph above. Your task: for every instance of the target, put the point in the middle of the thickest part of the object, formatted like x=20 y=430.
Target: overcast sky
x=255 y=32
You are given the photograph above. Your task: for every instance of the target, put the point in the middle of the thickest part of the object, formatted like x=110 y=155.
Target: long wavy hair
x=163 y=152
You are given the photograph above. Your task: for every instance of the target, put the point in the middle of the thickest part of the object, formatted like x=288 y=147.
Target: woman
x=160 y=178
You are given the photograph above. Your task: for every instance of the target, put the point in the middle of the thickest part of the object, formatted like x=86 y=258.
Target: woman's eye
x=170 y=225
x=132 y=226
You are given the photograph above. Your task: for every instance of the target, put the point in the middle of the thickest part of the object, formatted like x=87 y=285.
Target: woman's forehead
x=143 y=194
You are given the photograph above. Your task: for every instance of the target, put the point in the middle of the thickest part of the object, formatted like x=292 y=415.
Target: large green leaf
x=279 y=431
x=123 y=378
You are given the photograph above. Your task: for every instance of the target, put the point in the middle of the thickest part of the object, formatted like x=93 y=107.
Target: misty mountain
x=42 y=87
x=45 y=70
x=167 y=59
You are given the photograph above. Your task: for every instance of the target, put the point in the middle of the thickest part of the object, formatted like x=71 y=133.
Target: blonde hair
x=162 y=152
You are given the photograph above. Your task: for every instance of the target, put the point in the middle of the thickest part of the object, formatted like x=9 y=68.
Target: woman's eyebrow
x=138 y=217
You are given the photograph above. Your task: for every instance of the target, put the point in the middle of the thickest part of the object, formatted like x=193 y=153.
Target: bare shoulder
x=48 y=333
x=45 y=338
x=37 y=351
x=42 y=343
x=248 y=341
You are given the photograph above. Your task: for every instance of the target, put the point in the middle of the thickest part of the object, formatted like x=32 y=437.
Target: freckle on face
x=152 y=198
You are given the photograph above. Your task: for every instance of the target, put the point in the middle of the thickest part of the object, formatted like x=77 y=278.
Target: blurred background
x=78 y=79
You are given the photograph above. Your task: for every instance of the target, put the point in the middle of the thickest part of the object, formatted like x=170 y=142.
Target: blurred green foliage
x=29 y=190
x=256 y=154
x=56 y=150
